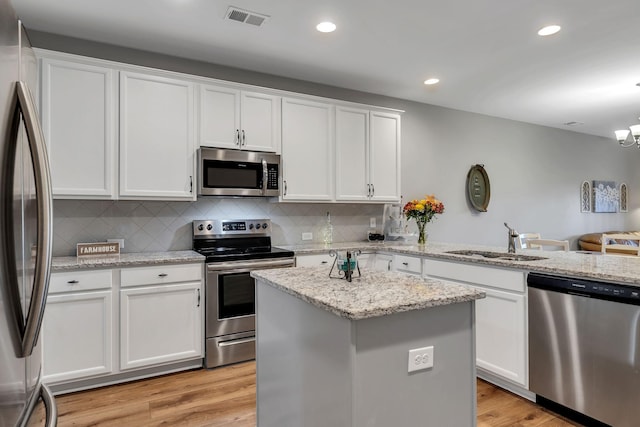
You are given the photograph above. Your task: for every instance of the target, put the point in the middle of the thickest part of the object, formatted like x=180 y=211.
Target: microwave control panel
x=272 y=176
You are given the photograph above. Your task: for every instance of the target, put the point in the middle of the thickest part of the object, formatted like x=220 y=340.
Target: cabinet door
x=260 y=122
x=307 y=147
x=352 y=138
x=501 y=335
x=156 y=137
x=219 y=117
x=77 y=336
x=80 y=127
x=384 y=157
x=160 y=324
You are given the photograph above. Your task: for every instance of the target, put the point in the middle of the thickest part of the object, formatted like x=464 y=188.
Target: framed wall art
x=585 y=196
x=605 y=196
x=624 y=198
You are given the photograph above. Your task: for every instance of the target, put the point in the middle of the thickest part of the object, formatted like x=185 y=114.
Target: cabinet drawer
x=313 y=260
x=494 y=277
x=80 y=281
x=160 y=274
x=408 y=264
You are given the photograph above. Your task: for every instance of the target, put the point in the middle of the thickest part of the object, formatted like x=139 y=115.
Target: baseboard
x=121 y=377
x=505 y=384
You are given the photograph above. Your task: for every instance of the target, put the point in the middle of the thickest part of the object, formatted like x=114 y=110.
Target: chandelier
x=622 y=135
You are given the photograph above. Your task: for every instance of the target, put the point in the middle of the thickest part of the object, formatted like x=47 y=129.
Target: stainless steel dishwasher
x=584 y=346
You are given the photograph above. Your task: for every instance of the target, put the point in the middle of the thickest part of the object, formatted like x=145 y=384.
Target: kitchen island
x=336 y=353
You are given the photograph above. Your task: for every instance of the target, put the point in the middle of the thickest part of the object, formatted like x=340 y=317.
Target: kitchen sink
x=497 y=255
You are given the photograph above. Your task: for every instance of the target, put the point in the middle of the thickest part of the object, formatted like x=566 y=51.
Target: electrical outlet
x=307 y=236
x=372 y=222
x=420 y=358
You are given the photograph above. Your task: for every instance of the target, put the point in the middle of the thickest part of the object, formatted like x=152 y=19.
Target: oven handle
x=256 y=265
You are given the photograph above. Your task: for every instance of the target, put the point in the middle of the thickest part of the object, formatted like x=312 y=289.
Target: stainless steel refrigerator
x=25 y=233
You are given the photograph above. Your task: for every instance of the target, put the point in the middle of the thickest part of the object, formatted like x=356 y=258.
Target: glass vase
x=422 y=237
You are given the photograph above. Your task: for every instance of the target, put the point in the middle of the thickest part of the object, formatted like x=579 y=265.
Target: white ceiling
x=485 y=52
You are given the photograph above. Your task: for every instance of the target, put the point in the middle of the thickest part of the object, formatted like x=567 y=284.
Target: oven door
x=230 y=295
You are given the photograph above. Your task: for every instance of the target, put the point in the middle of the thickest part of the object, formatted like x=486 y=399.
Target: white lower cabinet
x=77 y=336
x=160 y=324
x=100 y=326
x=501 y=317
x=314 y=260
x=408 y=264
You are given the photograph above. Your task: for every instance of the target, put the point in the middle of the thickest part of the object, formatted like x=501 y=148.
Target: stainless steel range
x=233 y=248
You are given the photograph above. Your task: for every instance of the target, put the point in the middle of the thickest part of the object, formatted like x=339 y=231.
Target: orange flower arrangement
x=423 y=211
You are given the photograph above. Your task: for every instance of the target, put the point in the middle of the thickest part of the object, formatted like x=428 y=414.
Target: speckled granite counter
x=125 y=260
x=610 y=268
x=374 y=294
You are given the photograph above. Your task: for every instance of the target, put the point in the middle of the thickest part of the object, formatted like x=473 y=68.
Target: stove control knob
x=264 y=226
x=250 y=226
x=201 y=227
x=257 y=226
x=209 y=227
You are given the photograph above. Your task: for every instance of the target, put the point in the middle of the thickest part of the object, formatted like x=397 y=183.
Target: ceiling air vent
x=245 y=16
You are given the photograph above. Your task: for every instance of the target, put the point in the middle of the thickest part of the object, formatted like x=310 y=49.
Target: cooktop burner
x=234 y=240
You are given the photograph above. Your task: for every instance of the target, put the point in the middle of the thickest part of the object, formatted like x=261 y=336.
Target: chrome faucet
x=513 y=235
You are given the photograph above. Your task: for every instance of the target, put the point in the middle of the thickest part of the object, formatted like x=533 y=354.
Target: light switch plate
x=420 y=358
x=307 y=236
x=372 y=222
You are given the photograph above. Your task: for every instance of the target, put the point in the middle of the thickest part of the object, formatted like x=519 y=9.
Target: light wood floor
x=226 y=397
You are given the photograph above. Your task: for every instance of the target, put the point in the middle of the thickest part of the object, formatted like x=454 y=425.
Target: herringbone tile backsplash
x=166 y=226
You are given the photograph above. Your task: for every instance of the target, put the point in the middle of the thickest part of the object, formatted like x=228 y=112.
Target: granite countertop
x=372 y=295
x=623 y=269
x=69 y=263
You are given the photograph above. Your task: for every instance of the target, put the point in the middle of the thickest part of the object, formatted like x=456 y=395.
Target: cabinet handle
x=324 y=262
x=238 y=137
x=162 y=275
x=72 y=282
x=191 y=184
x=198 y=298
x=285 y=188
x=405 y=263
x=373 y=190
x=389 y=265
x=244 y=138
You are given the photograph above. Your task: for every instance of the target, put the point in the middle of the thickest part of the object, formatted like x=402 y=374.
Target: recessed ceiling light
x=549 y=30
x=431 y=81
x=326 y=27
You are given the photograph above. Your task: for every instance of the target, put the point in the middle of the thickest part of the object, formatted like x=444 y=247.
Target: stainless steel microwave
x=224 y=172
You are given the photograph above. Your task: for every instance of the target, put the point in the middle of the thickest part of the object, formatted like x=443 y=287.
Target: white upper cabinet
x=384 y=157
x=367 y=155
x=352 y=152
x=156 y=137
x=79 y=116
x=307 y=150
x=230 y=118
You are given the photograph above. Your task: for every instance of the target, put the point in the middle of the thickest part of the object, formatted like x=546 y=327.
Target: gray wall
x=535 y=173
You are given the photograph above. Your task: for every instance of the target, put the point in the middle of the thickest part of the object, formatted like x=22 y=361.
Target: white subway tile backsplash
x=165 y=226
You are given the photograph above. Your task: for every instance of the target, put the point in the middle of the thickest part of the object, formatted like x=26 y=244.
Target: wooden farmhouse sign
x=101 y=248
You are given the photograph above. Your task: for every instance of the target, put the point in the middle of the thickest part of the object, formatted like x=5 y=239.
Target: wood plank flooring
x=226 y=397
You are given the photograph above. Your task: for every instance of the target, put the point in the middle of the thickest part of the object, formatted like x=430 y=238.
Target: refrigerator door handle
x=24 y=104
x=50 y=405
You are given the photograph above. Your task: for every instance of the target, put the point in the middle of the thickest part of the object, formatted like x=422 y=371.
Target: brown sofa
x=592 y=242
